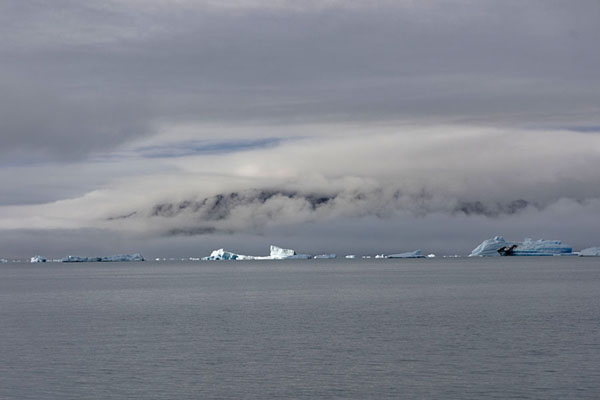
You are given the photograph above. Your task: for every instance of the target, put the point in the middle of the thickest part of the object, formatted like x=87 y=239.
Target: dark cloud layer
x=79 y=77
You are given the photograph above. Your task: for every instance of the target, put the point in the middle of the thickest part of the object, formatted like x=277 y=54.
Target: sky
x=358 y=127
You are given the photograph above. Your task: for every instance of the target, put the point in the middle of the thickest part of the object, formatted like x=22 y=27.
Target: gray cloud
x=79 y=78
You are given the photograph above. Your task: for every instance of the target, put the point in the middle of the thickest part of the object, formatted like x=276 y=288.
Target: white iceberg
x=409 y=254
x=497 y=246
x=350 y=256
x=117 y=258
x=380 y=256
x=123 y=258
x=431 y=255
x=326 y=256
x=590 y=252
x=3 y=260
x=277 y=253
x=38 y=259
x=221 y=254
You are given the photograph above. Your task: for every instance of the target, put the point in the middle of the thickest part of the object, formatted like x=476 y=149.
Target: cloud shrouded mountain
x=177 y=122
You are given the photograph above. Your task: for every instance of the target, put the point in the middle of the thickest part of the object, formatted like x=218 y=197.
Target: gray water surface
x=347 y=329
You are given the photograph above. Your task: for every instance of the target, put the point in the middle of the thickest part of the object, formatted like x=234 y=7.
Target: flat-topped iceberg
x=278 y=253
x=590 y=252
x=326 y=256
x=351 y=256
x=408 y=254
x=497 y=246
x=38 y=259
x=116 y=258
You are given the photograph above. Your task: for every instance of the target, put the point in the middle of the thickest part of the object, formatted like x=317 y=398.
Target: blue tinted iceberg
x=497 y=246
x=590 y=252
x=408 y=254
x=38 y=259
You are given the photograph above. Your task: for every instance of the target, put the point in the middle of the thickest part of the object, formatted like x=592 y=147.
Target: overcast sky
x=176 y=127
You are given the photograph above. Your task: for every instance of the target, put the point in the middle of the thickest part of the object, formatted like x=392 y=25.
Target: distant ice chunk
x=123 y=258
x=81 y=259
x=350 y=256
x=116 y=258
x=431 y=255
x=38 y=259
x=380 y=256
x=326 y=256
x=409 y=254
x=590 y=252
x=497 y=246
x=3 y=260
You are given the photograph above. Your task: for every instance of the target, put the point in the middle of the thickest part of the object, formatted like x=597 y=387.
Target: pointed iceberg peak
x=221 y=254
x=38 y=259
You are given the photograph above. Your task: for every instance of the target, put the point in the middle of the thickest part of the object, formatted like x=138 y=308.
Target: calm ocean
x=526 y=328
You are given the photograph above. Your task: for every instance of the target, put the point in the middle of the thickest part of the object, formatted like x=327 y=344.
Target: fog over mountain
x=172 y=128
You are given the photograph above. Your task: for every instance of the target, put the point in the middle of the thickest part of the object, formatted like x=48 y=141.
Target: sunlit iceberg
x=326 y=256
x=350 y=256
x=431 y=255
x=590 y=252
x=221 y=254
x=276 y=253
x=116 y=258
x=38 y=259
x=408 y=254
x=497 y=246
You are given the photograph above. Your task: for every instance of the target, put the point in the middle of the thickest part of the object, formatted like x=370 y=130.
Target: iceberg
x=590 y=252
x=497 y=246
x=117 y=258
x=38 y=259
x=350 y=256
x=3 y=260
x=409 y=254
x=278 y=253
x=325 y=256
x=431 y=255
x=221 y=254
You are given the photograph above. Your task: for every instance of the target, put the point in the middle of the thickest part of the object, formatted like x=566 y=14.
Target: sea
x=464 y=328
